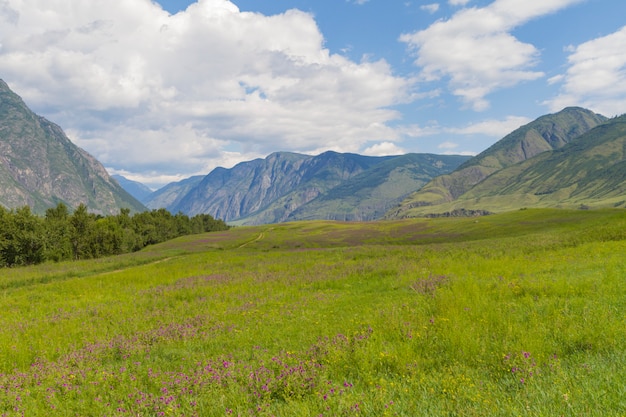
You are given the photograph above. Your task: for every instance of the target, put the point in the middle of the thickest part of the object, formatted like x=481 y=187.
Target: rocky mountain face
x=370 y=194
x=289 y=186
x=547 y=133
x=249 y=187
x=40 y=167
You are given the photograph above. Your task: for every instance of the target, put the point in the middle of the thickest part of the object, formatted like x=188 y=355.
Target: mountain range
x=40 y=167
x=573 y=158
x=289 y=186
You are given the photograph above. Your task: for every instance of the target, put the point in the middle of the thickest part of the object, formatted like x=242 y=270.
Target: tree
x=80 y=234
x=27 y=239
x=57 y=230
x=22 y=240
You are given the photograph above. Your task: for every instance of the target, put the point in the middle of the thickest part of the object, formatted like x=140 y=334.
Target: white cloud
x=384 y=149
x=449 y=148
x=147 y=91
x=493 y=128
x=458 y=2
x=476 y=51
x=596 y=77
x=448 y=145
x=430 y=8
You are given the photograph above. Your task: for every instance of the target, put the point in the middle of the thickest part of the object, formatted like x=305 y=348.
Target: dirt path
x=259 y=237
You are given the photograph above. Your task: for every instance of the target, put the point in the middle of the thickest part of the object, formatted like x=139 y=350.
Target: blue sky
x=159 y=91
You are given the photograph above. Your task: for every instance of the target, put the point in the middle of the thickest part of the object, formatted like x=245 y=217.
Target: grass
x=522 y=313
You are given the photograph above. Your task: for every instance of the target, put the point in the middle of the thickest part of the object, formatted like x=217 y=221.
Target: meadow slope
x=521 y=313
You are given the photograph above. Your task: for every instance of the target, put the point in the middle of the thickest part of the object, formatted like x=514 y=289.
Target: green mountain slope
x=590 y=171
x=40 y=166
x=547 y=133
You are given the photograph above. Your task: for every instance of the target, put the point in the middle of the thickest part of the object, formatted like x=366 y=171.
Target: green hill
x=544 y=134
x=591 y=171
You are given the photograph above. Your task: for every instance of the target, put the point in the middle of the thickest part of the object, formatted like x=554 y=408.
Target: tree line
x=27 y=239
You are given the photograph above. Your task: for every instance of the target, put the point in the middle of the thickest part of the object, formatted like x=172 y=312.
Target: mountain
x=170 y=195
x=546 y=133
x=289 y=186
x=589 y=171
x=40 y=167
x=370 y=194
x=250 y=186
x=134 y=188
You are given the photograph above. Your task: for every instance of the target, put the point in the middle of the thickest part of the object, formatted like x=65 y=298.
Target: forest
x=27 y=239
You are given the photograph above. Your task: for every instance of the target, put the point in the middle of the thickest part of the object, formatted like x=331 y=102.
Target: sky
x=159 y=91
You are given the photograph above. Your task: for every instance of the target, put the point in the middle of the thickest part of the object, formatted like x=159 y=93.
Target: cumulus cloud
x=493 y=128
x=146 y=91
x=448 y=146
x=384 y=149
x=595 y=77
x=476 y=51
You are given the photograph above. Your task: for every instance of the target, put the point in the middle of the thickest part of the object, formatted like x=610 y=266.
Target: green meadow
x=515 y=314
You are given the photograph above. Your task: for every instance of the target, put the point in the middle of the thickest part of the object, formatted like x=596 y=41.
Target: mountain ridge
x=40 y=167
x=588 y=171
x=545 y=133
x=279 y=187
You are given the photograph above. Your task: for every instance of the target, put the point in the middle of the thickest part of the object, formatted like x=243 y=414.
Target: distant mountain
x=288 y=186
x=136 y=189
x=547 y=133
x=40 y=167
x=370 y=194
x=169 y=196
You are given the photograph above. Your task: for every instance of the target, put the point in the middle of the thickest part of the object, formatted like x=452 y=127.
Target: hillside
x=590 y=171
x=40 y=167
x=338 y=186
x=546 y=133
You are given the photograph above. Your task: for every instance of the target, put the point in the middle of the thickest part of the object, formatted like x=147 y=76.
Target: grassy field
x=516 y=314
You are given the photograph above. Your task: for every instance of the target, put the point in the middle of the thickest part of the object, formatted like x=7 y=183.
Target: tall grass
x=516 y=314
